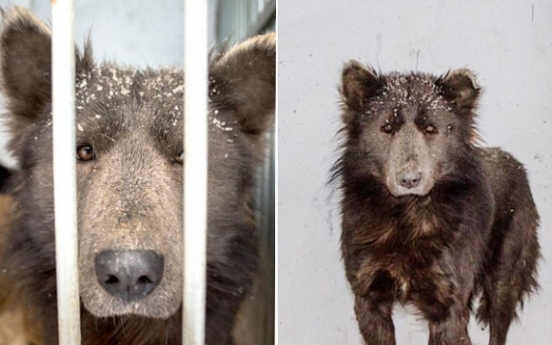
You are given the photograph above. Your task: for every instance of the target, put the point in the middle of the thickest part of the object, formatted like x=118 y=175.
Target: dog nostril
x=111 y=280
x=144 y=280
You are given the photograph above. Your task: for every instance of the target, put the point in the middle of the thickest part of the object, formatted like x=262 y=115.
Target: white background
x=507 y=43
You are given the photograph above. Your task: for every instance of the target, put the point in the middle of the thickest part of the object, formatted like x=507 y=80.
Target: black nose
x=409 y=179
x=129 y=274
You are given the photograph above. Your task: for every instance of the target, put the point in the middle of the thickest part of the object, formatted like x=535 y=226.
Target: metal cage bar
x=195 y=171
x=65 y=184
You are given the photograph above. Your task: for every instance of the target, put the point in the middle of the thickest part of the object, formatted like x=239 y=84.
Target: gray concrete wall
x=507 y=43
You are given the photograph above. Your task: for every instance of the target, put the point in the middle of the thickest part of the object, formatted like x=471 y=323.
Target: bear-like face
x=129 y=152
x=129 y=168
x=401 y=125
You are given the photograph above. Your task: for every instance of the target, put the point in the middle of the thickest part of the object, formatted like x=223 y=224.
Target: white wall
x=507 y=43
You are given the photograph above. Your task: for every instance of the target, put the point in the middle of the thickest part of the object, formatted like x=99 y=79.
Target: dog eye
x=180 y=158
x=387 y=128
x=85 y=153
x=430 y=129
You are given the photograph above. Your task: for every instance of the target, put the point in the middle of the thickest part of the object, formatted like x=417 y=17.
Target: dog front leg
x=375 y=321
x=451 y=331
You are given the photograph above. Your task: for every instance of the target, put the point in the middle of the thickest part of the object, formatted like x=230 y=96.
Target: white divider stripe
x=65 y=184
x=195 y=171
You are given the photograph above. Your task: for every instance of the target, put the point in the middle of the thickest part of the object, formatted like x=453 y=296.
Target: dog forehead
x=150 y=96
x=111 y=82
x=411 y=93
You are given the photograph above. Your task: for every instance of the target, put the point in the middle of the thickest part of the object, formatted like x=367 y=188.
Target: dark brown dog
x=429 y=218
x=129 y=174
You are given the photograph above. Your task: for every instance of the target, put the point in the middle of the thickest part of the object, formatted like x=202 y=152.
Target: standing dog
x=429 y=218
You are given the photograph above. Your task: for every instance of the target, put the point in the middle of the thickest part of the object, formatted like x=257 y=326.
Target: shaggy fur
x=428 y=217
x=129 y=174
x=17 y=317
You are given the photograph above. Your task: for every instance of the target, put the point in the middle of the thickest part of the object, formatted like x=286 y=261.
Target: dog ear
x=25 y=63
x=358 y=85
x=460 y=88
x=244 y=81
x=25 y=70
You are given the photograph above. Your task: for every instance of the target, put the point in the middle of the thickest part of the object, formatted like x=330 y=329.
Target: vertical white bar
x=65 y=185
x=195 y=171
